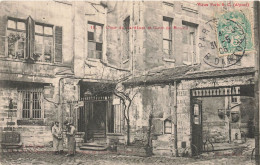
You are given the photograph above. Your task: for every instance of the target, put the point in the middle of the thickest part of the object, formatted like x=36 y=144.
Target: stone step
x=93 y=147
x=93 y=144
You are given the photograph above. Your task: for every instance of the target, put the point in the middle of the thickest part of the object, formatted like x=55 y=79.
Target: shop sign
x=221 y=91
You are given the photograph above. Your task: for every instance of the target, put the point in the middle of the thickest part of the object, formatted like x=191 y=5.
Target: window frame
x=43 y=45
x=16 y=31
x=167 y=127
x=94 y=24
x=192 y=57
x=26 y=31
x=168 y=40
x=30 y=111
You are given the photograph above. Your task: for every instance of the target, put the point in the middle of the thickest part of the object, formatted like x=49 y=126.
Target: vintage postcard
x=129 y=82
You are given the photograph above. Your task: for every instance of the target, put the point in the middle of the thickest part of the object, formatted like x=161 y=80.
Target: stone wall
x=36 y=132
x=183 y=102
x=154 y=103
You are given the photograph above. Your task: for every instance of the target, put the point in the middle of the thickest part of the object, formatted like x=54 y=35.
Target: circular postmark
x=227 y=38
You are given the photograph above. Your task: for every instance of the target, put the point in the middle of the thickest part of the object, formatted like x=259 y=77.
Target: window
x=167 y=37
x=33 y=40
x=235 y=99
x=167 y=126
x=43 y=43
x=126 y=39
x=189 y=42
x=95 y=40
x=16 y=32
x=31 y=103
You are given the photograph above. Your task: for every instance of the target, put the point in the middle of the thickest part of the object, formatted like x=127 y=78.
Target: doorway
x=95 y=118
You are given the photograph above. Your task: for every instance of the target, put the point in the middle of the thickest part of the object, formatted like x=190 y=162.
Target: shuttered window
x=27 y=39
x=58 y=44
x=3 y=23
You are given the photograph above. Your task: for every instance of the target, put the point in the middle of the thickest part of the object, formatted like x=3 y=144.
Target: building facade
x=167 y=75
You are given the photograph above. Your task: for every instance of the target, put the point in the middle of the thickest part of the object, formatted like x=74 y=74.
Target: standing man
x=71 y=131
x=57 y=138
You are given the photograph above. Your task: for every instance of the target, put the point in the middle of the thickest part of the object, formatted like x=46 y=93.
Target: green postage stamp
x=234 y=34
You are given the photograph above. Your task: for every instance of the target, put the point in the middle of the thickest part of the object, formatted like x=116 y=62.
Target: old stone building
x=168 y=75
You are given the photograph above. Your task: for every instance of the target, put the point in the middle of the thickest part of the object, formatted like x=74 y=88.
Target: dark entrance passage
x=97 y=121
x=221 y=117
x=95 y=118
x=196 y=121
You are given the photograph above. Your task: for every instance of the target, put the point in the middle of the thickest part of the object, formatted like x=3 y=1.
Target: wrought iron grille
x=31 y=103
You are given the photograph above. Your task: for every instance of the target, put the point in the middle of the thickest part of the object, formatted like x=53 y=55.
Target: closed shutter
x=3 y=24
x=30 y=24
x=58 y=44
x=157 y=126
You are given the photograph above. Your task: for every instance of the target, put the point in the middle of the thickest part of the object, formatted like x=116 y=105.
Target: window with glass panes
x=167 y=37
x=16 y=38
x=189 y=42
x=43 y=43
x=167 y=126
x=31 y=101
x=32 y=41
x=95 y=40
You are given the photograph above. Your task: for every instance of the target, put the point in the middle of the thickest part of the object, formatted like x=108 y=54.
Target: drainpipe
x=175 y=119
x=60 y=109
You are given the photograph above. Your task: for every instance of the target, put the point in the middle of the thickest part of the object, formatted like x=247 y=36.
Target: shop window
x=31 y=103
x=95 y=40
x=189 y=36
x=167 y=126
x=167 y=37
x=32 y=40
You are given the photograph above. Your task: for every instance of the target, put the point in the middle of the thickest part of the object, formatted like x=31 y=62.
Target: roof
x=184 y=72
x=219 y=73
x=160 y=76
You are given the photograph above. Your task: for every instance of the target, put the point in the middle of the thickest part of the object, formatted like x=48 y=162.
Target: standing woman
x=57 y=138
x=71 y=131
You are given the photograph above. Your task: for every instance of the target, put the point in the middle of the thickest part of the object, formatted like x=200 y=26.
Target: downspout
x=60 y=109
x=175 y=119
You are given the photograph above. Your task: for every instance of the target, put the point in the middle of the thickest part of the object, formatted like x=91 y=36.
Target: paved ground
x=25 y=158
x=40 y=156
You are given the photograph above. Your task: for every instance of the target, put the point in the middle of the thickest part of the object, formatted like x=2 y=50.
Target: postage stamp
x=234 y=34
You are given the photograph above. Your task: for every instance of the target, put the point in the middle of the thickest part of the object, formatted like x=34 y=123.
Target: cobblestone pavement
x=35 y=158
x=42 y=156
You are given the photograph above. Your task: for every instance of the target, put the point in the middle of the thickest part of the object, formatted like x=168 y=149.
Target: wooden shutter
x=157 y=126
x=3 y=24
x=30 y=24
x=58 y=44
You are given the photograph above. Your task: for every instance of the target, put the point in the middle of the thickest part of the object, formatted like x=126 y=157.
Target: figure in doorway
x=71 y=131
x=57 y=138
